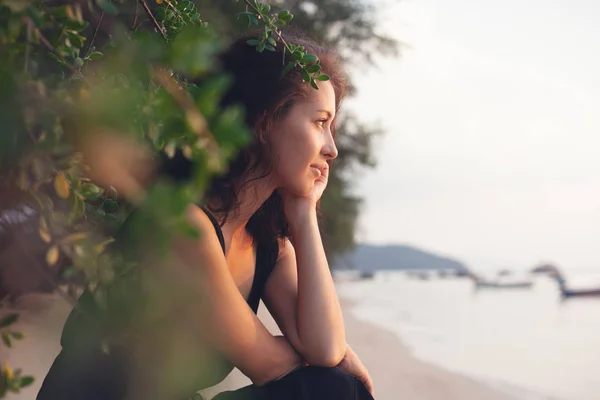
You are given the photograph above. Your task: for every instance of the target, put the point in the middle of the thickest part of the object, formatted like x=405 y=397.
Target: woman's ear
x=261 y=128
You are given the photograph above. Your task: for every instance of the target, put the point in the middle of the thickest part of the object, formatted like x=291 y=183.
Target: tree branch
x=194 y=117
x=156 y=24
x=95 y=33
x=45 y=41
x=261 y=16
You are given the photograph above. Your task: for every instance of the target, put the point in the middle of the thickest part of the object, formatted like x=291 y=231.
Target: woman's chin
x=301 y=191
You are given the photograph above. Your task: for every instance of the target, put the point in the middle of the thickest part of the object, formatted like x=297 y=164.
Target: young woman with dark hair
x=260 y=240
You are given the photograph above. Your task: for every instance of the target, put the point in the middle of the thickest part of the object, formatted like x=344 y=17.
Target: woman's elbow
x=329 y=357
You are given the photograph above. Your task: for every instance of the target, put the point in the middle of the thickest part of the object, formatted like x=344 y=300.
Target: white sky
x=492 y=145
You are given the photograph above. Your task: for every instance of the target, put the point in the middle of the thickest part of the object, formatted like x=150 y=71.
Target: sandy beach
x=395 y=372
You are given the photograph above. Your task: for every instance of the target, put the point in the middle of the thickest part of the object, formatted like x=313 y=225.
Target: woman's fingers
x=368 y=382
x=352 y=365
x=365 y=378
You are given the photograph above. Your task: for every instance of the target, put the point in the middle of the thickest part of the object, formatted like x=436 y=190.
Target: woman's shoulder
x=201 y=219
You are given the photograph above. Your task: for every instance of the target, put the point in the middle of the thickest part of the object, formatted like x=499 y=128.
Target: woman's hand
x=352 y=365
x=285 y=370
x=296 y=207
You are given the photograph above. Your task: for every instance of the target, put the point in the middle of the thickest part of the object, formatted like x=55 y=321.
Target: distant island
x=367 y=257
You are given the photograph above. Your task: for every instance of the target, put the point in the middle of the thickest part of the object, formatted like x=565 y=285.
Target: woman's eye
x=321 y=122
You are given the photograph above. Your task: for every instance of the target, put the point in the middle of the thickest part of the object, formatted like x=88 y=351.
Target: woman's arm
x=301 y=296
x=221 y=315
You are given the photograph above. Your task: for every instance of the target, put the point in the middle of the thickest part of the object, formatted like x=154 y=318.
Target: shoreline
x=397 y=373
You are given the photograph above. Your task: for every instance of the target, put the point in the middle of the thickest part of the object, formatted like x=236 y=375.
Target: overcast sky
x=492 y=150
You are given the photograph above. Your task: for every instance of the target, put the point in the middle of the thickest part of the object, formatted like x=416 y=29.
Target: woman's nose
x=330 y=150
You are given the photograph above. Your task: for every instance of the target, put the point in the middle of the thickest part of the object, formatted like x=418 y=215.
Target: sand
x=395 y=372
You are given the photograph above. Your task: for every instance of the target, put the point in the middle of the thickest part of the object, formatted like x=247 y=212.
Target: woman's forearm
x=213 y=307
x=228 y=324
x=319 y=322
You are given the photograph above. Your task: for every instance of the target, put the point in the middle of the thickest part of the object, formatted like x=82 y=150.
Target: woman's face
x=302 y=142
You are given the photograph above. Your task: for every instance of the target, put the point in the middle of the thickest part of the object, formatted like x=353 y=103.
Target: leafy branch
x=158 y=27
x=11 y=380
x=73 y=128
x=309 y=64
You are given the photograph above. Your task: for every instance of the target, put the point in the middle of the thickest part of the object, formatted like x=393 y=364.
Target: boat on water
x=500 y=282
x=366 y=275
x=503 y=285
x=565 y=291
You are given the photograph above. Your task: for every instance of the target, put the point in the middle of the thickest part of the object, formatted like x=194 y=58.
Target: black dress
x=82 y=371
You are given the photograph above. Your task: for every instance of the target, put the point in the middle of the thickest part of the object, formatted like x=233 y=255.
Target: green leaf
x=6 y=339
x=309 y=58
x=313 y=68
x=242 y=14
x=285 y=16
x=77 y=208
x=78 y=62
x=195 y=16
x=8 y=319
x=75 y=39
x=313 y=83
x=107 y=6
x=260 y=47
x=305 y=75
x=182 y=5
x=17 y=335
x=110 y=206
x=269 y=47
x=287 y=68
x=265 y=8
x=252 y=19
x=323 y=77
x=297 y=55
x=57 y=58
x=91 y=191
x=76 y=25
x=193 y=51
x=26 y=381
x=252 y=42
x=70 y=272
x=96 y=55
x=271 y=41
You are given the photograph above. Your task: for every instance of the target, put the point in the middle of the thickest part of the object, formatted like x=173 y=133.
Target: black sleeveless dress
x=82 y=371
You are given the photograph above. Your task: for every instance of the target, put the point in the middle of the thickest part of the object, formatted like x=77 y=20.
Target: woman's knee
x=327 y=373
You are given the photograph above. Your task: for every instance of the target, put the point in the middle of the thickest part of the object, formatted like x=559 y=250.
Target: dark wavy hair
x=258 y=86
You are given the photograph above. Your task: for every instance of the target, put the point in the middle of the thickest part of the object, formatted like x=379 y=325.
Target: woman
x=260 y=240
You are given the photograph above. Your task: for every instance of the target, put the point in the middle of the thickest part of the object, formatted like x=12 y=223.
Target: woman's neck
x=250 y=198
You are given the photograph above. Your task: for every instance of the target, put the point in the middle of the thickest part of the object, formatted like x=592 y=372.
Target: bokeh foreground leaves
x=90 y=93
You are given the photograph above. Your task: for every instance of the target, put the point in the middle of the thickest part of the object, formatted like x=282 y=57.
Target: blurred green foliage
x=84 y=86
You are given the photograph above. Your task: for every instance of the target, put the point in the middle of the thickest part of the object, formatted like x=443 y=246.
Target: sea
x=530 y=343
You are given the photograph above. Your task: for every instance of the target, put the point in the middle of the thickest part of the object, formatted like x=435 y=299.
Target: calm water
x=525 y=341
